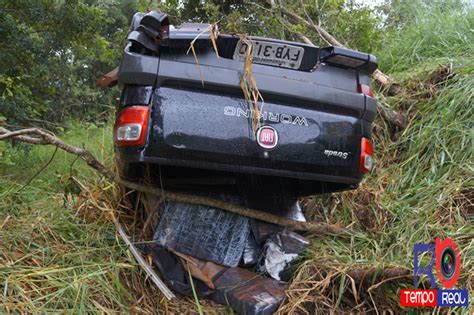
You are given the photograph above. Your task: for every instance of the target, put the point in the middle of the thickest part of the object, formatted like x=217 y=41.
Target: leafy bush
x=53 y=52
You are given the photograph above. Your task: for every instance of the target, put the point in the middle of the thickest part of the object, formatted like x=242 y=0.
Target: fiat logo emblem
x=267 y=137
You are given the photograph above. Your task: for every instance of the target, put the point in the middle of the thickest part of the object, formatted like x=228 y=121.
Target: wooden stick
x=149 y=271
x=43 y=137
x=109 y=79
x=314 y=227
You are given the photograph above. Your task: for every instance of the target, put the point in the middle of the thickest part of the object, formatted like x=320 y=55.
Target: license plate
x=273 y=54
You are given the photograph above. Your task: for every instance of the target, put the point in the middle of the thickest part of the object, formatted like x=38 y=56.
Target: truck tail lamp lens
x=365 y=89
x=130 y=126
x=366 y=155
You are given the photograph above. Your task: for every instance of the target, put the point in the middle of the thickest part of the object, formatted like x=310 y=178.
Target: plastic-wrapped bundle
x=203 y=232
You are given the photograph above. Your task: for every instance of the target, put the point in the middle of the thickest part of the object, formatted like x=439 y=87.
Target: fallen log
x=38 y=136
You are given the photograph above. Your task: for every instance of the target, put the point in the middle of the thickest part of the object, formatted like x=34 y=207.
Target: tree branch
x=394 y=118
x=38 y=136
x=384 y=80
x=321 y=31
x=148 y=269
x=305 y=39
x=375 y=275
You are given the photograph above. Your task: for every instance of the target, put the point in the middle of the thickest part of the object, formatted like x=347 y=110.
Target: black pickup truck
x=183 y=115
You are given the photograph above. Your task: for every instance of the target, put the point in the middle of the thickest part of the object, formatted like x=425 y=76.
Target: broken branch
x=150 y=272
x=109 y=79
x=394 y=118
x=391 y=116
x=43 y=137
x=384 y=80
x=321 y=31
x=314 y=227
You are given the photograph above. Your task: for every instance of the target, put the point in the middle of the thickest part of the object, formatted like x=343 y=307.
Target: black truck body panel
x=200 y=120
x=194 y=128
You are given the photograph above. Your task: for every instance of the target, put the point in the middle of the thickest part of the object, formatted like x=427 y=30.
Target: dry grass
x=59 y=251
x=64 y=256
x=248 y=85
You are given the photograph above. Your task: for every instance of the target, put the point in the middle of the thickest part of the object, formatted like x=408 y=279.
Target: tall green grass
x=52 y=259
x=435 y=167
x=441 y=32
x=414 y=195
x=23 y=159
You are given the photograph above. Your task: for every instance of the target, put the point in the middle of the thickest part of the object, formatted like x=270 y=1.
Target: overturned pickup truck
x=183 y=115
x=255 y=122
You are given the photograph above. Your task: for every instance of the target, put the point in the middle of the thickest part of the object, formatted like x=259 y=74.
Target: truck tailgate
x=192 y=127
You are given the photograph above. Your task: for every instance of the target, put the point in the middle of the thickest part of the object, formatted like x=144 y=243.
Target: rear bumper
x=134 y=157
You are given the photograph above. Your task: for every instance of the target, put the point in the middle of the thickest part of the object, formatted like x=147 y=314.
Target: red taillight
x=130 y=126
x=366 y=155
x=365 y=89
